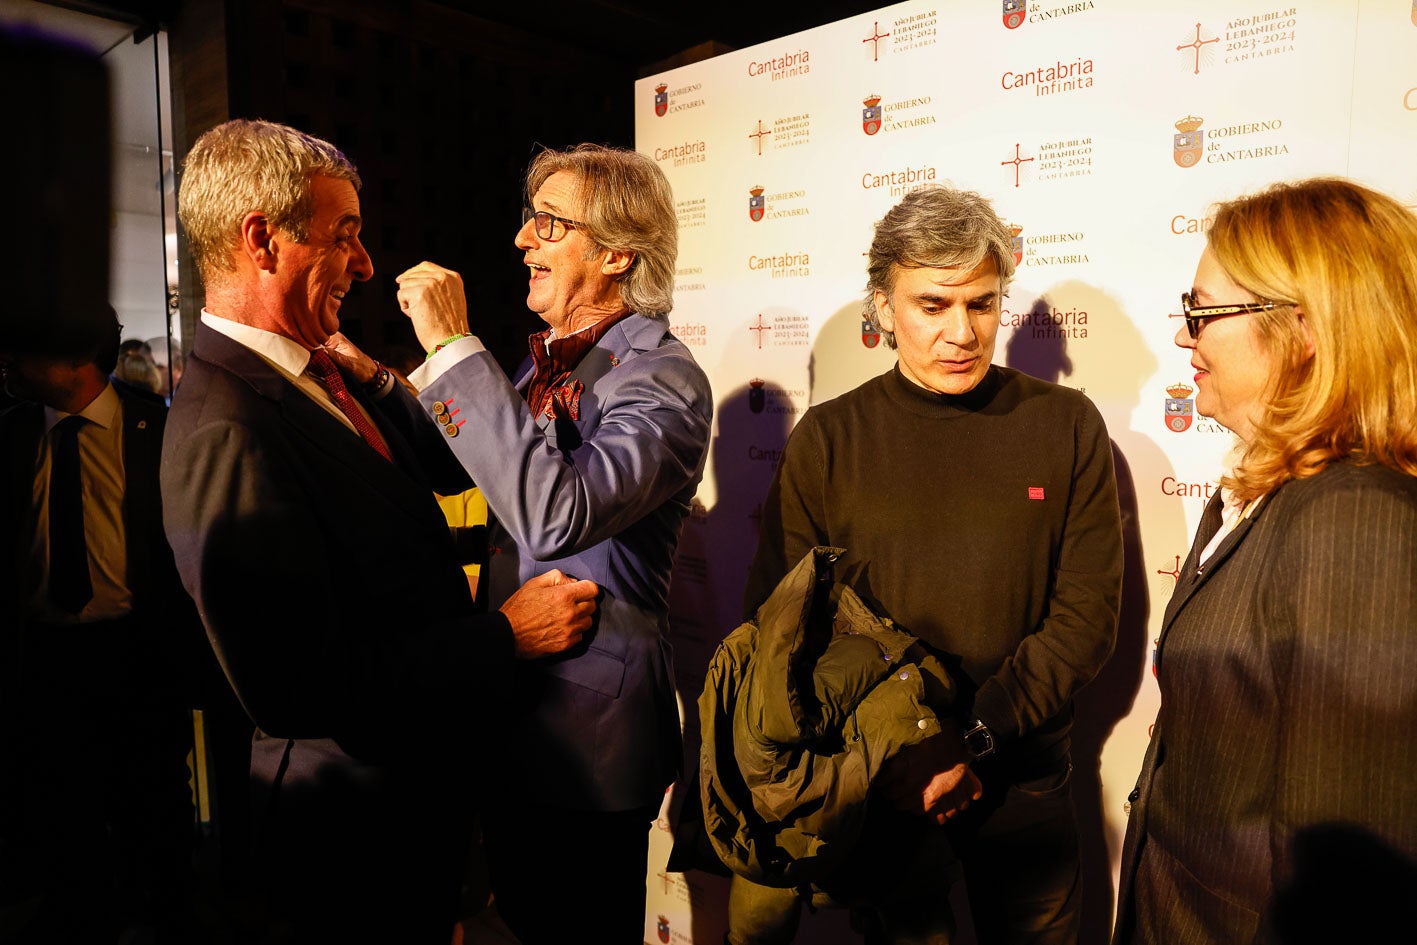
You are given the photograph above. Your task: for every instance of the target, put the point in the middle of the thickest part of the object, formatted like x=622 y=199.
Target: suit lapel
x=1193 y=576
x=308 y=418
x=625 y=339
x=142 y=504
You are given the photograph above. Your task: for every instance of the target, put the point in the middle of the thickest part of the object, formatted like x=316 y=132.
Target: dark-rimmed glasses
x=546 y=228
x=1197 y=316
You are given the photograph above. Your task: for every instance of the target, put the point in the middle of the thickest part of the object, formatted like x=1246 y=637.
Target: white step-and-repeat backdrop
x=1102 y=131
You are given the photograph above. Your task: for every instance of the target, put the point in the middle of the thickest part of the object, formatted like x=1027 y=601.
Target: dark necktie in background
x=70 y=587
x=322 y=366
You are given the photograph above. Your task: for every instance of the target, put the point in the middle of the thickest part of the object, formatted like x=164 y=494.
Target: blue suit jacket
x=599 y=497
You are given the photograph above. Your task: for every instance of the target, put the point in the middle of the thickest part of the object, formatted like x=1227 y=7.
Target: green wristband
x=444 y=343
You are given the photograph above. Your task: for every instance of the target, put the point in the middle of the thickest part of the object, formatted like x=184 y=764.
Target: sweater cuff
x=991 y=706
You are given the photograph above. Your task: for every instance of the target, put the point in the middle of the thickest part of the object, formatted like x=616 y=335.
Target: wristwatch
x=978 y=740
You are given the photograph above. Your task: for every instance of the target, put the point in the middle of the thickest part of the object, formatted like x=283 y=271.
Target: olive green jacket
x=801 y=708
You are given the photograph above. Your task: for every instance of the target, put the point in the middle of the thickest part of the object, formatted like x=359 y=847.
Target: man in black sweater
x=977 y=508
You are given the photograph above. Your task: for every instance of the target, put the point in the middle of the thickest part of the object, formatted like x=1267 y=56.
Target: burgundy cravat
x=322 y=366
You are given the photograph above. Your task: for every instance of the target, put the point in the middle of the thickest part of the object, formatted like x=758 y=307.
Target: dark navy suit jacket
x=325 y=575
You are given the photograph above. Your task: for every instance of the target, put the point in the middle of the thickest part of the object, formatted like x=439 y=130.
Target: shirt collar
x=102 y=411
x=281 y=351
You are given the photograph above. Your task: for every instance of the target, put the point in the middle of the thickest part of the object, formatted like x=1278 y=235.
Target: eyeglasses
x=546 y=224
x=1197 y=316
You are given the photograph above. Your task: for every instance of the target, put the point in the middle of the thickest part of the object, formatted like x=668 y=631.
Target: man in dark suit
x=588 y=461
x=308 y=534
x=99 y=646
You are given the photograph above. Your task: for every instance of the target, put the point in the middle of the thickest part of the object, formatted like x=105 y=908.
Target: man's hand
x=550 y=613
x=433 y=298
x=356 y=363
x=932 y=778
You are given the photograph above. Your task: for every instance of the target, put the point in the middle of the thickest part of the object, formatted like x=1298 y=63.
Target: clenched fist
x=434 y=300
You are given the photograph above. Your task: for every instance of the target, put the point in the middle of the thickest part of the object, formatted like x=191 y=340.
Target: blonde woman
x=1287 y=660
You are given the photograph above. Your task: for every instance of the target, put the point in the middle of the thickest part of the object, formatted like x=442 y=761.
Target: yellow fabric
x=464 y=510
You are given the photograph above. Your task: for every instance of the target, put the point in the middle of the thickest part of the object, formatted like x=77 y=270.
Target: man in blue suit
x=304 y=525
x=588 y=462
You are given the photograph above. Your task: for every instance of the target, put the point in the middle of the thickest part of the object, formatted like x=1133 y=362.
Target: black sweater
x=985 y=523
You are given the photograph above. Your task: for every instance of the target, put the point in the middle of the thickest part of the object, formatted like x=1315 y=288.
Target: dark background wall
x=441 y=105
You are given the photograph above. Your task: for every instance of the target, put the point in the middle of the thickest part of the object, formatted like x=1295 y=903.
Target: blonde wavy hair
x=1343 y=259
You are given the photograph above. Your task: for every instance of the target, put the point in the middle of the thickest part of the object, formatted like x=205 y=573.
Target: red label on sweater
x=1035 y=492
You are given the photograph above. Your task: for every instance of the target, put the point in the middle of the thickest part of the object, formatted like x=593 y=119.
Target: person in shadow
x=102 y=649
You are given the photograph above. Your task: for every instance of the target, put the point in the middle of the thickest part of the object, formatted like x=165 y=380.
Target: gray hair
x=241 y=166
x=626 y=206
x=935 y=226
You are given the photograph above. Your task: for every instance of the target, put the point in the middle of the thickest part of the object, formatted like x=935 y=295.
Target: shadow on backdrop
x=1348 y=885
x=706 y=602
x=1110 y=367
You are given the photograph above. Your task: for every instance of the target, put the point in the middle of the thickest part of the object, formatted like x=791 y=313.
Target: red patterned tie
x=322 y=366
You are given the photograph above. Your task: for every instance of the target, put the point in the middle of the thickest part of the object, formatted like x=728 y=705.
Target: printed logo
x=756 y=205
x=1189 y=143
x=1050 y=80
x=871 y=114
x=1173 y=572
x=760 y=328
x=1035 y=493
x=1064 y=248
x=783 y=131
x=910 y=33
x=1063 y=159
x=1017 y=243
x=1237 y=141
x=899 y=182
x=783 y=329
x=875 y=40
x=662 y=929
x=787 y=265
x=1260 y=35
x=787 y=66
x=690 y=152
x=1044 y=320
x=1180 y=408
x=869 y=336
x=692 y=212
x=757 y=136
x=661 y=100
x=1018 y=160
x=693 y=334
x=1197 y=49
x=1016 y=12
x=1182 y=224
x=757 y=397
